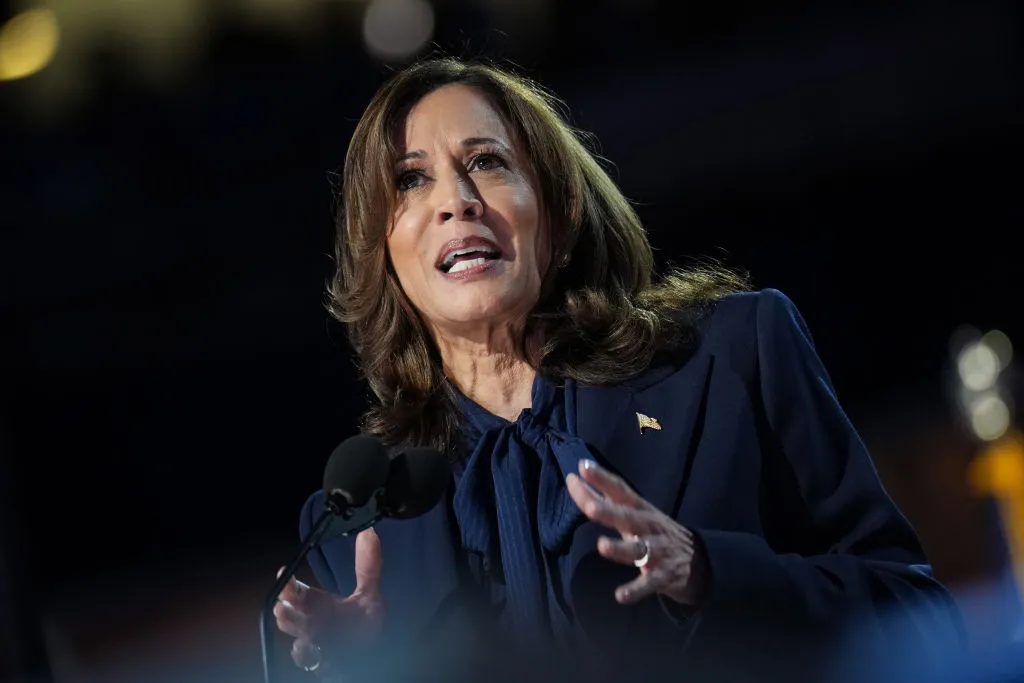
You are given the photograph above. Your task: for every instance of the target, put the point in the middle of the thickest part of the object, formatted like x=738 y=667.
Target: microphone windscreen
x=416 y=482
x=356 y=469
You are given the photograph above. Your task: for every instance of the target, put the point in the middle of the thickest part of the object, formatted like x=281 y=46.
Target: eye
x=409 y=180
x=486 y=162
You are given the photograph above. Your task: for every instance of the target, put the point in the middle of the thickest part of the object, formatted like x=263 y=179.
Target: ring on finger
x=319 y=659
x=643 y=552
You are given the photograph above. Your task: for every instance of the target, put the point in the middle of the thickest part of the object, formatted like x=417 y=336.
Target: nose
x=457 y=200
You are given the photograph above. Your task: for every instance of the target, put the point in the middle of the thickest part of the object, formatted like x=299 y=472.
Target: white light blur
x=1000 y=345
x=961 y=337
x=990 y=417
x=978 y=366
x=397 y=29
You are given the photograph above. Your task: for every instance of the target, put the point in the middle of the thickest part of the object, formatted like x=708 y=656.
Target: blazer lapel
x=654 y=461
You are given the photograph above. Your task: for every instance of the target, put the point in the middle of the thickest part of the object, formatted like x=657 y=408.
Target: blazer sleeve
x=870 y=564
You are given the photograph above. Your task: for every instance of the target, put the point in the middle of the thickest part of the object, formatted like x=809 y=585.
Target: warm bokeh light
x=978 y=366
x=28 y=42
x=397 y=29
x=999 y=470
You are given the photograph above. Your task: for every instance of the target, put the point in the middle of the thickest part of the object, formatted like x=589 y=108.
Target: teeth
x=450 y=258
x=466 y=265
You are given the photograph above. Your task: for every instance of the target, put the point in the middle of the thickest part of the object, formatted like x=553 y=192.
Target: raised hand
x=665 y=552
x=325 y=625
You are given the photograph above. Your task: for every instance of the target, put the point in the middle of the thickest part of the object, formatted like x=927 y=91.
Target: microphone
x=416 y=481
x=354 y=477
x=361 y=485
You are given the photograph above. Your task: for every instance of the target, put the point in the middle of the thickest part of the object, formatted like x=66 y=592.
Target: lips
x=465 y=248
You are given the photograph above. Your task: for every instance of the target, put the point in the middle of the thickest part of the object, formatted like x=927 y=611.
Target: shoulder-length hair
x=601 y=315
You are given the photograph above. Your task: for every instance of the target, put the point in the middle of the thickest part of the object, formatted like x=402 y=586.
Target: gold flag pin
x=647 y=422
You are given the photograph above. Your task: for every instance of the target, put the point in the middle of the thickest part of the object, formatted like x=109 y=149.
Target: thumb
x=369 y=563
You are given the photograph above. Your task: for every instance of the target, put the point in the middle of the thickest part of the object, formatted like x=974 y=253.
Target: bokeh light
x=1000 y=469
x=1000 y=345
x=397 y=29
x=990 y=417
x=28 y=42
x=978 y=366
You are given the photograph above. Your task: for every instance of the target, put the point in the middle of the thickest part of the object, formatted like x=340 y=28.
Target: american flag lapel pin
x=647 y=422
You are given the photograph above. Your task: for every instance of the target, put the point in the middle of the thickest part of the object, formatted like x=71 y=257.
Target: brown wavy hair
x=602 y=317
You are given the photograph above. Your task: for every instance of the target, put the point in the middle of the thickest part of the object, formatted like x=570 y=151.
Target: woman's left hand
x=674 y=565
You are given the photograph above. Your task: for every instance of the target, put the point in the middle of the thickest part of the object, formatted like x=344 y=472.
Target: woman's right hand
x=322 y=623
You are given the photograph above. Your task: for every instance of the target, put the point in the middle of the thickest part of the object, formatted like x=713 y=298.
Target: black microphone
x=361 y=487
x=417 y=479
x=354 y=480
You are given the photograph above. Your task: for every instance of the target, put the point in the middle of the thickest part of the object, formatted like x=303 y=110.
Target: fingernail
x=287 y=604
x=589 y=464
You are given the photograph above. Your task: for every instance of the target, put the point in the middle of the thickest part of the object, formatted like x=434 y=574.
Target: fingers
x=292 y=620
x=623 y=551
x=294 y=608
x=296 y=592
x=611 y=485
x=369 y=563
x=624 y=519
x=637 y=589
x=306 y=654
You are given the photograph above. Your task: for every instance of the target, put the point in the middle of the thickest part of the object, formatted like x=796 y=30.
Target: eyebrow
x=468 y=142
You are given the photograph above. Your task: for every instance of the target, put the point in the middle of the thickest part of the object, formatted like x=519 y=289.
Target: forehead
x=452 y=113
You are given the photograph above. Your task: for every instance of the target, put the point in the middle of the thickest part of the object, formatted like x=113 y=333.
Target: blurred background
x=171 y=386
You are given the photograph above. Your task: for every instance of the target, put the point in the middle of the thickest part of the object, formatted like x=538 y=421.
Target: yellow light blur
x=28 y=42
x=999 y=469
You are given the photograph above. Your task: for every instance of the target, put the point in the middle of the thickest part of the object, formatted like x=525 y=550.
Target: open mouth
x=463 y=254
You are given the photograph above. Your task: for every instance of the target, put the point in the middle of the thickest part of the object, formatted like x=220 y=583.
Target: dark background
x=171 y=385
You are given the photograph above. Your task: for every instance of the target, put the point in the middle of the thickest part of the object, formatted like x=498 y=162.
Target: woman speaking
x=652 y=478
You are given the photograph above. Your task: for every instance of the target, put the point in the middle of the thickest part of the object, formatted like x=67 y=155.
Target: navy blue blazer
x=756 y=456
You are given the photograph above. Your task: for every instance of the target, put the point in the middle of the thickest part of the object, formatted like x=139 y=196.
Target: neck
x=489 y=369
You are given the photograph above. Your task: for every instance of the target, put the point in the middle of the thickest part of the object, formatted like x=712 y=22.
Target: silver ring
x=319 y=659
x=645 y=558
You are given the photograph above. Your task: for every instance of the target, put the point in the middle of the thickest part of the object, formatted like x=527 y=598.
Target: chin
x=484 y=306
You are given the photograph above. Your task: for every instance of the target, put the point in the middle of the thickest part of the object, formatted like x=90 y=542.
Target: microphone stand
x=354 y=520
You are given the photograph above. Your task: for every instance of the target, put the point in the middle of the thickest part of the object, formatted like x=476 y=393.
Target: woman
x=651 y=477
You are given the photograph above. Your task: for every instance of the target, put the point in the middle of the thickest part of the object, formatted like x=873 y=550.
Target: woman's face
x=466 y=240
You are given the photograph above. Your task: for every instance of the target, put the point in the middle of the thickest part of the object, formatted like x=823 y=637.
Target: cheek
x=532 y=229
x=542 y=248
x=401 y=254
x=402 y=244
